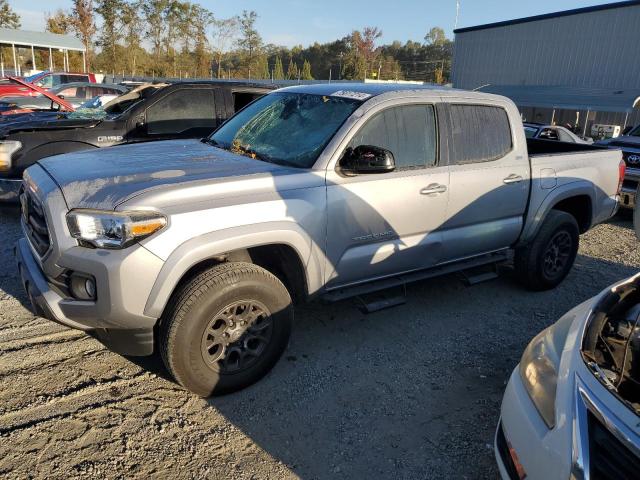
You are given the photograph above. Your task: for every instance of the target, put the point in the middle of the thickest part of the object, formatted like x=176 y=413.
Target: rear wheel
x=548 y=258
x=226 y=328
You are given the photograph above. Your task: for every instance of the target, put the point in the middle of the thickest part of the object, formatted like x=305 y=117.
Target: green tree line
x=176 y=38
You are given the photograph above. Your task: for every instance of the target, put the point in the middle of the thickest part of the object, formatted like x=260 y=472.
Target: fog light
x=90 y=287
x=83 y=287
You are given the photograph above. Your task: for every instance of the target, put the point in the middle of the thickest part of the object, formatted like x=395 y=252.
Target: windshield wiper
x=249 y=152
x=212 y=142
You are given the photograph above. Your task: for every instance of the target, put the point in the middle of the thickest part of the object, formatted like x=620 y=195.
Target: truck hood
x=105 y=178
x=624 y=141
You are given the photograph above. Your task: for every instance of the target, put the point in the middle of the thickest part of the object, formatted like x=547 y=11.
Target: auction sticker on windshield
x=351 y=94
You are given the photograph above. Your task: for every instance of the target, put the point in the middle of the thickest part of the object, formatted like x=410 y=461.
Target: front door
x=182 y=113
x=385 y=224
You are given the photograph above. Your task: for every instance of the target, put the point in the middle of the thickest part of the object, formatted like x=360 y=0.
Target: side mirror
x=61 y=96
x=367 y=159
x=140 y=123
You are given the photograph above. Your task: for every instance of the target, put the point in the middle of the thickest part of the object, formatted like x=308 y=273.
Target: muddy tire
x=547 y=259
x=226 y=328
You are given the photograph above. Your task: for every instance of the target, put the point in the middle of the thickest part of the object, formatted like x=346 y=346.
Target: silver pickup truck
x=199 y=249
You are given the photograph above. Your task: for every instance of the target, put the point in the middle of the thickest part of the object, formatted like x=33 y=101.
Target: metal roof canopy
x=569 y=98
x=565 y=13
x=26 y=38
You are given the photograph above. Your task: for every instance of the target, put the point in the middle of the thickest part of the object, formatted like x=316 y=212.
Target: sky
x=303 y=22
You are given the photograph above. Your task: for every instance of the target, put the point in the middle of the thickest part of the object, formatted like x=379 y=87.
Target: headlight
x=112 y=230
x=7 y=149
x=539 y=372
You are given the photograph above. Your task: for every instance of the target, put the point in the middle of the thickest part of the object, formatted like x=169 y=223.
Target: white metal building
x=33 y=41
x=578 y=53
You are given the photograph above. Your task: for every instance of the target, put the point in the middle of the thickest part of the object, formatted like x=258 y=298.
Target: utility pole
x=457 y=13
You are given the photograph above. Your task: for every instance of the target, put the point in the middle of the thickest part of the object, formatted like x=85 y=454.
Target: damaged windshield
x=285 y=128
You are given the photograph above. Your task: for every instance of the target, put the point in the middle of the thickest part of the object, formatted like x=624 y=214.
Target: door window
x=69 y=92
x=45 y=82
x=565 y=136
x=549 y=134
x=479 y=133
x=182 y=110
x=74 y=78
x=409 y=132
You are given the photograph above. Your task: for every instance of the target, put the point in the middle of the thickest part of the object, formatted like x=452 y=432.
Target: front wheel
x=226 y=328
x=548 y=258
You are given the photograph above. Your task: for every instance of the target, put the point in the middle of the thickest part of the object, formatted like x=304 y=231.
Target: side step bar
x=377 y=285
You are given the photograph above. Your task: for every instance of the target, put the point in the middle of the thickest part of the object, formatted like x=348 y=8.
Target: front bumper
x=123 y=332
x=629 y=188
x=9 y=190
x=543 y=453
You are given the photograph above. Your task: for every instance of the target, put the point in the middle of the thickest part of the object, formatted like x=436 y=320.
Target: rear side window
x=74 y=78
x=182 y=110
x=409 y=132
x=479 y=133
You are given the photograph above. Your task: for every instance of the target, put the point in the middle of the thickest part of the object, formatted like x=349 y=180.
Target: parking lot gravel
x=409 y=392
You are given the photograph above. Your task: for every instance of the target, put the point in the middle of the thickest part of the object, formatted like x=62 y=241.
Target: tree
x=278 y=72
x=153 y=11
x=84 y=25
x=262 y=68
x=132 y=26
x=250 y=40
x=436 y=37
x=224 y=35
x=362 y=53
x=8 y=18
x=111 y=12
x=201 y=20
x=58 y=22
x=292 y=70
x=306 y=71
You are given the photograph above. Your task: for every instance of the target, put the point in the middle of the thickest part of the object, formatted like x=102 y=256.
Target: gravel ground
x=410 y=392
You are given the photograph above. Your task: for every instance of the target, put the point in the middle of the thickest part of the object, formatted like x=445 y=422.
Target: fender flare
x=573 y=189
x=213 y=244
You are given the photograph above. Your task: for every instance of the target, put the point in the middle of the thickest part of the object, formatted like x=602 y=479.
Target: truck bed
x=549 y=147
x=590 y=169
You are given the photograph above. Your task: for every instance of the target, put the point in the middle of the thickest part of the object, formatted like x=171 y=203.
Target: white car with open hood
x=572 y=405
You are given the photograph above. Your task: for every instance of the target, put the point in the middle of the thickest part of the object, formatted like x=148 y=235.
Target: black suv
x=151 y=112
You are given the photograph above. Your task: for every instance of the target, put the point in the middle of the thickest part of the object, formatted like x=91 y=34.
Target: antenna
x=457 y=13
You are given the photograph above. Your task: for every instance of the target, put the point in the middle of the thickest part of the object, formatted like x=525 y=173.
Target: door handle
x=434 y=188
x=513 y=178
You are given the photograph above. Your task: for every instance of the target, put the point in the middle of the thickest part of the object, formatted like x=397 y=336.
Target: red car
x=44 y=80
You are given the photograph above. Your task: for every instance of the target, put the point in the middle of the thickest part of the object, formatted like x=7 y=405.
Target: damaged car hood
x=105 y=178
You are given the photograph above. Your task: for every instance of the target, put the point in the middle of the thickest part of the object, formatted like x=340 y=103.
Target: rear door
x=489 y=181
x=188 y=112
x=386 y=224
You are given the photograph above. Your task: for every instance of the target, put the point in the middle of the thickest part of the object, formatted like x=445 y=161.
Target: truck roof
x=226 y=83
x=371 y=89
x=390 y=90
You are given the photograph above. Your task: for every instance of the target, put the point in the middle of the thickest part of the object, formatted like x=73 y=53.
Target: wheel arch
x=575 y=198
x=287 y=253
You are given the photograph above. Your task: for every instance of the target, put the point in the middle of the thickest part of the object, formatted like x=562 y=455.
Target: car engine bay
x=611 y=345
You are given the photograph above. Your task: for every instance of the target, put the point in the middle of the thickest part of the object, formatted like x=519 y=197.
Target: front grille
x=609 y=458
x=632 y=159
x=35 y=223
x=503 y=449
